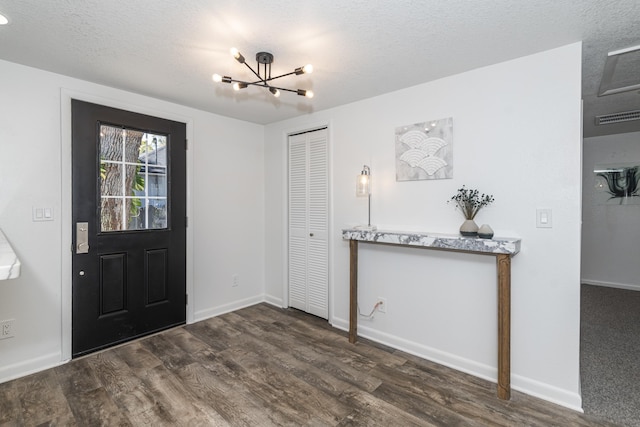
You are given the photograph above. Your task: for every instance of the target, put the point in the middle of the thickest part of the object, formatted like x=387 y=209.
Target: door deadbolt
x=82 y=237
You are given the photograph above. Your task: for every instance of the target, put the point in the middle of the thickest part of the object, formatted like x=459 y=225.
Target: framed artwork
x=617 y=184
x=425 y=150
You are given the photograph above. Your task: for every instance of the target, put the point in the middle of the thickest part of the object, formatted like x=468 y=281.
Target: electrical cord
x=373 y=312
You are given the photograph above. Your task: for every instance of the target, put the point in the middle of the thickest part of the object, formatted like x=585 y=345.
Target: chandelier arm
x=263 y=84
x=282 y=88
x=253 y=71
x=277 y=77
x=260 y=83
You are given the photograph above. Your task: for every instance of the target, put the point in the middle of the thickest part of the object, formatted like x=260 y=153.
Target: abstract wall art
x=425 y=150
x=617 y=184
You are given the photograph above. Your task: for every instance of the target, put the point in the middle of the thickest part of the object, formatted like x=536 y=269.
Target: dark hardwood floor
x=264 y=366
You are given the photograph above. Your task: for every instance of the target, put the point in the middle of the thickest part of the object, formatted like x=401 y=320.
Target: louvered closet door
x=308 y=223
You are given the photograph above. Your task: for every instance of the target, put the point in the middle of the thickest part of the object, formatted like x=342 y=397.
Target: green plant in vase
x=469 y=202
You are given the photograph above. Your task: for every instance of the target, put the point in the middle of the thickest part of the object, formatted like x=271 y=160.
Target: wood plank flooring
x=264 y=366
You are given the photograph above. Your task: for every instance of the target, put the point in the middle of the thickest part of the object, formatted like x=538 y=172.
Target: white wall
x=610 y=233
x=226 y=209
x=516 y=136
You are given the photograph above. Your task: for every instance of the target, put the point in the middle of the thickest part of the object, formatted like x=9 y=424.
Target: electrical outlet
x=382 y=307
x=235 y=280
x=6 y=329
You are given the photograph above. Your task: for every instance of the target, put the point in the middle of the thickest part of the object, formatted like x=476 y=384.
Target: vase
x=469 y=228
x=485 y=232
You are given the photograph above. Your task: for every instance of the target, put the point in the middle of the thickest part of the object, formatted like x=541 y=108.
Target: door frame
x=285 y=217
x=66 y=95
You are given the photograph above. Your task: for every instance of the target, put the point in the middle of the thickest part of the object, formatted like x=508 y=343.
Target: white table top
x=9 y=262
x=497 y=245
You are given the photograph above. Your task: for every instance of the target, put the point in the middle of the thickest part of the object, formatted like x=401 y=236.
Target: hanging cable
x=373 y=312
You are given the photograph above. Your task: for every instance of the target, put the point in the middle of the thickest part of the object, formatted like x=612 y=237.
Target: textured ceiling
x=359 y=49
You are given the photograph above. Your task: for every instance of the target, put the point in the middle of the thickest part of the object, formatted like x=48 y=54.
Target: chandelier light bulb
x=236 y=54
x=307 y=69
x=307 y=93
x=217 y=78
x=274 y=91
x=239 y=85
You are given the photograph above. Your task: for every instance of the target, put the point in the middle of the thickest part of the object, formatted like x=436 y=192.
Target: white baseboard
x=274 y=301
x=547 y=392
x=525 y=385
x=486 y=372
x=227 y=308
x=627 y=286
x=30 y=366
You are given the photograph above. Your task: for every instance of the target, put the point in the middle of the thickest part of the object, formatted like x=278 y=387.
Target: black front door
x=129 y=225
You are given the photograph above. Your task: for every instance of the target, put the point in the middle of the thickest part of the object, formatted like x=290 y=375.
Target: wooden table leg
x=353 y=291
x=504 y=326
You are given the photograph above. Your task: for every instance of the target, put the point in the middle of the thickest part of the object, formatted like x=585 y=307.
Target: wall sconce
x=363 y=188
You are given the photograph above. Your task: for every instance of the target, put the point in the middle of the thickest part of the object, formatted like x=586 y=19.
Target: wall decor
x=425 y=150
x=617 y=184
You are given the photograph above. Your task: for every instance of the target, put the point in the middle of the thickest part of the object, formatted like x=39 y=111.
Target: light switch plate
x=544 y=218
x=42 y=214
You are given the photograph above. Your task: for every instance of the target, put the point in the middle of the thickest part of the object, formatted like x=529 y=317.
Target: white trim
x=547 y=392
x=277 y=302
x=65 y=203
x=330 y=223
x=30 y=366
x=285 y=221
x=627 y=286
x=228 y=308
x=625 y=50
x=526 y=385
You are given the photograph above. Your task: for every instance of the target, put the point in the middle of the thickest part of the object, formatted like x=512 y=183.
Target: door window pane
x=133 y=179
x=157 y=216
x=110 y=182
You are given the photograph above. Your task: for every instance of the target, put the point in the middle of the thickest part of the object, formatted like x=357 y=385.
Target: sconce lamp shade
x=363 y=182
x=363 y=188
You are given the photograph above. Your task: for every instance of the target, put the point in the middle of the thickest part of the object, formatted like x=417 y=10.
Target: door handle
x=82 y=237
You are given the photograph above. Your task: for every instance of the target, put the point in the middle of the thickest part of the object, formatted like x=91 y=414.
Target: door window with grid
x=133 y=179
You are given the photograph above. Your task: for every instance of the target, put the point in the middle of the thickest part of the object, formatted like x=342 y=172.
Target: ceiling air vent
x=625 y=116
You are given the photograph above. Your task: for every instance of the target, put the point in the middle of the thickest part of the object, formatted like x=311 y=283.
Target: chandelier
x=264 y=60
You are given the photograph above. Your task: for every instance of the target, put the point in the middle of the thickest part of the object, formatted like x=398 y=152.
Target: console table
x=502 y=248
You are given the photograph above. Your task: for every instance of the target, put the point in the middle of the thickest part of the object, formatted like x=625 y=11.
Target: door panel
x=318 y=246
x=113 y=283
x=308 y=223
x=129 y=185
x=156 y=275
x=298 y=222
